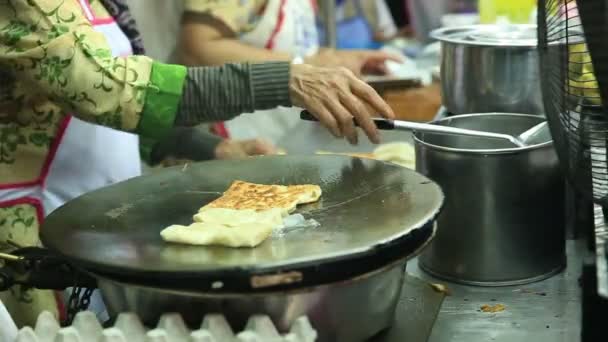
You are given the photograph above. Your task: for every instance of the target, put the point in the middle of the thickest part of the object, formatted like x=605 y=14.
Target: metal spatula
x=384 y=124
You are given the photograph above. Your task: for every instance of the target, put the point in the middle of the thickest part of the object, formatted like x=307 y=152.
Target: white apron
x=83 y=157
x=286 y=26
x=91 y=156
x=8 y=329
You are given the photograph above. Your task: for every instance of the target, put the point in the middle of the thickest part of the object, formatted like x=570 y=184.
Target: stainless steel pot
x=490 y=68
x=503 y=220
x=349 y=311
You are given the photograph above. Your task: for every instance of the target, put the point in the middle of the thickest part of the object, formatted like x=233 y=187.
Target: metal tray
x=371 y=213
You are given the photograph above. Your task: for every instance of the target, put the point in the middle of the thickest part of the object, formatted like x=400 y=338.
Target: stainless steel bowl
x=490 y=68
x=503 y=219
x=349 y=311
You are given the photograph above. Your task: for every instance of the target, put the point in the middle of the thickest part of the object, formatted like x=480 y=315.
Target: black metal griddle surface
x=366 y=206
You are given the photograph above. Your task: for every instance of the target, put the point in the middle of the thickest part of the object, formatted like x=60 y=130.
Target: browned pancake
x=244 y=195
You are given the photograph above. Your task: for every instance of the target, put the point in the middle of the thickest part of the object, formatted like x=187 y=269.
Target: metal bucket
x=503 y=219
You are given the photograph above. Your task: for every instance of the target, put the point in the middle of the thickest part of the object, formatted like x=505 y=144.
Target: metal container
x=503 y=220
x=348 y=311
x=490 y=68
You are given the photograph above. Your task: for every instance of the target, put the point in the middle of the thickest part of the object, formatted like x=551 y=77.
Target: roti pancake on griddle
x=213 y=233
x=244 y=195
x=244 y=216
x=236 y=217
x=399 y=153
x=226 y=227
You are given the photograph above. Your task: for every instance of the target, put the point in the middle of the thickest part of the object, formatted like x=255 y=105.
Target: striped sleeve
x=222 y=93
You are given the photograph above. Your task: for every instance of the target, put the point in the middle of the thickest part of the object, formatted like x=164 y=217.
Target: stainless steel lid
x=521 y=35
x=371 y=213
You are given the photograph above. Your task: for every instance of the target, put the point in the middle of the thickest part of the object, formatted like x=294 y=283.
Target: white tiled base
x=171 y=328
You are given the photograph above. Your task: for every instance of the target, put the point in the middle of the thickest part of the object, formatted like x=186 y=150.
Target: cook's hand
x=184 y=144
x=335 y=96
x=233 y=149
x=227 y=149
x=358 y=61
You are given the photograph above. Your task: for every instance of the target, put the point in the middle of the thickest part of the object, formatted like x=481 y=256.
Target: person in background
x=425 y=16
x=400 y=14
x=74 y=99
x=363 y=24
x=198 y=143
x=217 y=32
x=183 y=144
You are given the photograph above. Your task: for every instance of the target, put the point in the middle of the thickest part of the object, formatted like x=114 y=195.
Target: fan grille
x=567 y=35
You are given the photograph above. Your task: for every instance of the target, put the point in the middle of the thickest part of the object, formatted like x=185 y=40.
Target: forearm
x=178 y=96
x=221 y=93
x=75 y=72
x=226 y=50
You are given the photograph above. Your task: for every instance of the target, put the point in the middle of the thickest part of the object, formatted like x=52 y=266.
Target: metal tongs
x=385 y=124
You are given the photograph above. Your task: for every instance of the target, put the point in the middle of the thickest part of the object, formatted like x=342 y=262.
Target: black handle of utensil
x=42 y=269
x=382 y=124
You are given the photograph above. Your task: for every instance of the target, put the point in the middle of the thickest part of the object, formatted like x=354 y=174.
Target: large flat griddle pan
x=371 y=213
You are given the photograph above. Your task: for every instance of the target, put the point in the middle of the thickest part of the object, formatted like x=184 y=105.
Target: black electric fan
x=573 y=51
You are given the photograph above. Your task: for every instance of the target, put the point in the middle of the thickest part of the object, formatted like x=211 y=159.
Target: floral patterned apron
x=83 y=157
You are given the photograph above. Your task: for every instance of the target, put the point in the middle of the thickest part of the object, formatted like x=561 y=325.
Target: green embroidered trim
x=162 y=100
